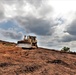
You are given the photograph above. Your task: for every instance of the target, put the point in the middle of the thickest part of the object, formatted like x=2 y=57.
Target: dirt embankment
x=17 y=61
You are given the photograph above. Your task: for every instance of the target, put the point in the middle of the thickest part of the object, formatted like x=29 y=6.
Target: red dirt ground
x=17 y=61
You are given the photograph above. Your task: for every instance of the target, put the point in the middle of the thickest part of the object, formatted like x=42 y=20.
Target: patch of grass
x=8 y=44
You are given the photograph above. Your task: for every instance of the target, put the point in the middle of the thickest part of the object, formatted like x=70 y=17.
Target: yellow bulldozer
x=29 y=42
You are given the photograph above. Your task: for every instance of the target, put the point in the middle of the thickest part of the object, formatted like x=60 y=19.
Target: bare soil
x=41 y=61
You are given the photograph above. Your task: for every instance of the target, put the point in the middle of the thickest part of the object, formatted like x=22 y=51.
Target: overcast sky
x=52 y=21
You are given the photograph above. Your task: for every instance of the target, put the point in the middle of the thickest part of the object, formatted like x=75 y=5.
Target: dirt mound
x=57 y=62
x=17 y=61
x=7 y=43
x=28 y=69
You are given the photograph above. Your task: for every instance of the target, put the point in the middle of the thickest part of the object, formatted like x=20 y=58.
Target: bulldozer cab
x=33 y=40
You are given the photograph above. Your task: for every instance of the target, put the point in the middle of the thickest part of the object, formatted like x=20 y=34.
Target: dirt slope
x=17 y=61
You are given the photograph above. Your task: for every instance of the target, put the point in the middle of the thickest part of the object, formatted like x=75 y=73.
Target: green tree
x=65 y=49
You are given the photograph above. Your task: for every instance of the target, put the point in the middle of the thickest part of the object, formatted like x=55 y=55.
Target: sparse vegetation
x=65 y=49
x=8 y=44
x=29 y=68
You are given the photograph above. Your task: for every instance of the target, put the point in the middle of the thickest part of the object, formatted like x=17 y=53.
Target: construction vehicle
x=29 y=42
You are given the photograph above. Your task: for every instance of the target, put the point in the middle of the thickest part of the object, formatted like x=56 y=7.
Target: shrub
x=65 y=49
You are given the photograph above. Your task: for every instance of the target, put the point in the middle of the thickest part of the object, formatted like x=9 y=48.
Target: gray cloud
x=7 y=1
x=35 y=25
x=71 y=29
x=10 y=2
x=68 y=38
x=11 y=34
x=36 y=3
x=45 y=10
x=1 y=12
